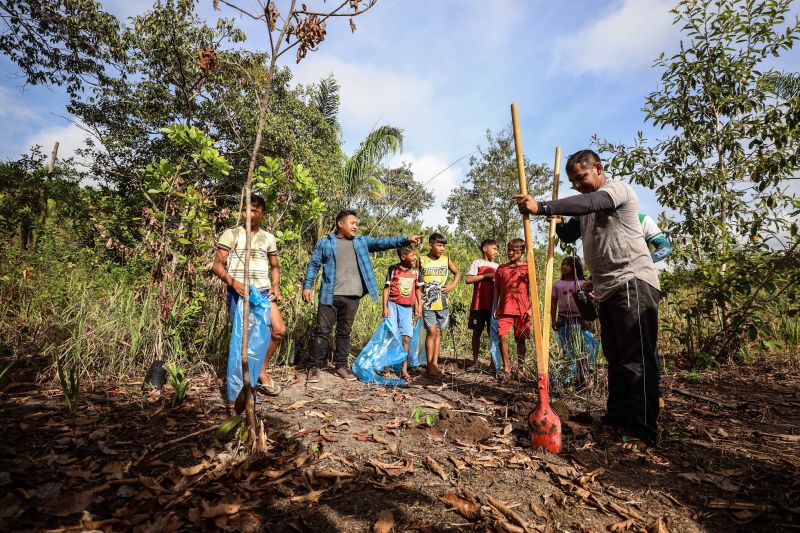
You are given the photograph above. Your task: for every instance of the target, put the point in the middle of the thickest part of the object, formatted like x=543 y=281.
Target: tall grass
x=107 y=320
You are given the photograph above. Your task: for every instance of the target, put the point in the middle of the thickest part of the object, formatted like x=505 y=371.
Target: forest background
x=105 y=265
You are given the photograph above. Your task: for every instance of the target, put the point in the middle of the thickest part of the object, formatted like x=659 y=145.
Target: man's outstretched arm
x=580 y=204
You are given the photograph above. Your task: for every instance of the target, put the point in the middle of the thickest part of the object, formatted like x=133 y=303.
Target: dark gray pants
x=340 y=314
x=629 y=326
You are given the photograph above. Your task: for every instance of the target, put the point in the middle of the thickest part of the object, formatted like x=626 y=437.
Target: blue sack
x=494 y=343
x=592 y=346
x=258 y=337
x=384 y=349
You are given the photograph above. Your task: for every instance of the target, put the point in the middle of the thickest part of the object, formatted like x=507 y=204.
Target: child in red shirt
x=481 y=275
x=512 y=306
x=400 y=298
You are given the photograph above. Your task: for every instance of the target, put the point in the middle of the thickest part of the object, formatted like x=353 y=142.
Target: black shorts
x=478 y=320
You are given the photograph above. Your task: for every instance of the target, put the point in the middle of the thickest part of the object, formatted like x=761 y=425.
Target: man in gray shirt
x=625 y=285
x=347 y=274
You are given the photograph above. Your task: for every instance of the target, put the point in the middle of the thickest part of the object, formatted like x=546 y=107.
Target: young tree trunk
x=250 y=408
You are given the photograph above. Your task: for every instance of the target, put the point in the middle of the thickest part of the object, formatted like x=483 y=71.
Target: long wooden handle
x=541 y=363
x=548 y=275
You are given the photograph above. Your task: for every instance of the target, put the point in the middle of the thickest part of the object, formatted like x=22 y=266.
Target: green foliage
x=361 y=169
x=178 y=226
x=419 y=416
x=229 y=425
x=30 y=194
x=60 y=42
x=69 y=380
x=785 y=85
x=725 y=169
x=290 y=192
x=177 y=380
x=483 y=207
x=400 y=197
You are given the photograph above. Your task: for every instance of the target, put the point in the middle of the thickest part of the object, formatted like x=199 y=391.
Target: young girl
x=566 y=319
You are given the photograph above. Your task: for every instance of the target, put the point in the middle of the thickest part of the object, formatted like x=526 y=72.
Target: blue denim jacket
x=324 y=257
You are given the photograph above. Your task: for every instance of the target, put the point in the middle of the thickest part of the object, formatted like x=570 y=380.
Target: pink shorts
x=522 y=327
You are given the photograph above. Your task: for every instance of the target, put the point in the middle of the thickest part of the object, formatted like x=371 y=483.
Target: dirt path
x=341 y=453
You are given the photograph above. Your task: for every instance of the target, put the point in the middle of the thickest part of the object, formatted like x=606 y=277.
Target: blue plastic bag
x=385 y=349
x=258 y=337
x=592 y=346
x=494 y=343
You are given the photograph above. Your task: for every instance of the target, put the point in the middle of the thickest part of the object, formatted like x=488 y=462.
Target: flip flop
x=636 y=444
x=273 y=389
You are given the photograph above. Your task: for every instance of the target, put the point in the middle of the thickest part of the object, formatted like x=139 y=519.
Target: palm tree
x=785 y=85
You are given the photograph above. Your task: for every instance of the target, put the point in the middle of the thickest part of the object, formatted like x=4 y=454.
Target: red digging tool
x=545 y=425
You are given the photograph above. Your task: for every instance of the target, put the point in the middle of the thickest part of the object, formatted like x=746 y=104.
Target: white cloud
x=69 y=138
x=626 y=38
x=369 y=94
x=11 y=108
x=432 y=171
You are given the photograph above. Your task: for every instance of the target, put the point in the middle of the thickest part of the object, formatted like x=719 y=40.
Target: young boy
x=432 y=290
x=481 y=274
x=512 y=306
x=400 y=297
x=229 y=267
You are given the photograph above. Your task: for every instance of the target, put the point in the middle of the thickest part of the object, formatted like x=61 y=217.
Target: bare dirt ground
x=350 y=457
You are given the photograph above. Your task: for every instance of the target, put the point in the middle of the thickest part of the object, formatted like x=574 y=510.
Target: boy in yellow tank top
x=432 y=290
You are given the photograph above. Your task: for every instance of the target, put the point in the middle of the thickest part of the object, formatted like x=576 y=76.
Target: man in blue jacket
x=347 y=275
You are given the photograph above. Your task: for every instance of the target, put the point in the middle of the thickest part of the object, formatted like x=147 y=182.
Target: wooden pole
x=533 y=286
x=548 y=275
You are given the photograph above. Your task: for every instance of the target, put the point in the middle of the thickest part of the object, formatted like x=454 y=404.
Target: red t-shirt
x=512 y=284
x=482 y=291
x=402 y=283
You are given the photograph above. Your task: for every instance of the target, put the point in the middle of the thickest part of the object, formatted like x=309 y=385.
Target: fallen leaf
x=703 y=412
x=193 y=470
x=311 y=497
x=385 y=522
x=508 y=428
x=422 y=527
x=312 y=412
x=68 y=503
x=657 y=526
x=435 y=467
x=467 y=509
x=504 y=527
x=330 y=473
x=115 y=469
x=562 y=470
x=298 y=404
x=330 y=401
x=458 y=463
x=226 y=506
x=127 y=491
x=510 y=514
x=538 y=510
x=623 y=526
x=379 y=439
x=151 y=484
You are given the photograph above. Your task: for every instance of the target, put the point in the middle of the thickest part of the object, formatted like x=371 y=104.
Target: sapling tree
x=725 y=166
x=289 y=27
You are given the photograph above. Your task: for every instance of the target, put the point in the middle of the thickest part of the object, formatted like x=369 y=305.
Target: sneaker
x=313 y=375
x=345 y=374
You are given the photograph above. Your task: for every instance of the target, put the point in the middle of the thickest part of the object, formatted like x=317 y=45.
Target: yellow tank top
x=433 y=274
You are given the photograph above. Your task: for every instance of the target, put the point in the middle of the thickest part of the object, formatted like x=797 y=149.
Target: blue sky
x=445 y=71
